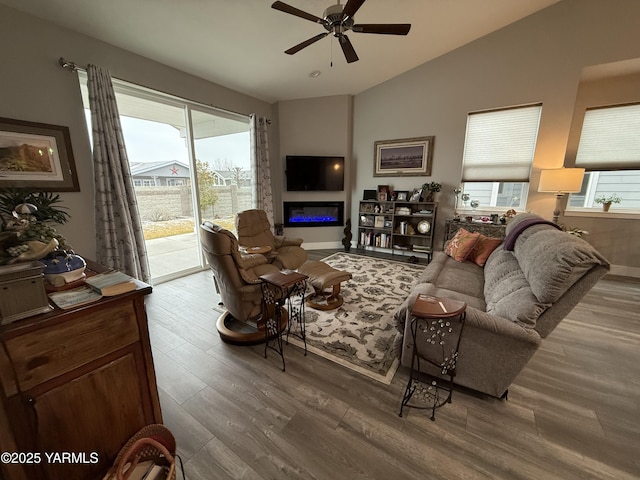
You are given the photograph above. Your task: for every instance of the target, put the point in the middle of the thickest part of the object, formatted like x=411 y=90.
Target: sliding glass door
x=176 y=149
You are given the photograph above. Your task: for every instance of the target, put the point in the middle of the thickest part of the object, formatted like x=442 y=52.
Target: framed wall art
x=404 y=157
x=36 y=156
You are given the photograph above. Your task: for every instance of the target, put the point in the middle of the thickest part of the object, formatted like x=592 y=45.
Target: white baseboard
x=624 y=271
x=321 y=245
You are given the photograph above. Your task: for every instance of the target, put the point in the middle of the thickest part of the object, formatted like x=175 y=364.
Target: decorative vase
x=606 y=206
x=430 y=197
x=346 y=241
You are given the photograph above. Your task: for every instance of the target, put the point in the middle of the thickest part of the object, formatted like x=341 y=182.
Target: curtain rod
x=74 y=67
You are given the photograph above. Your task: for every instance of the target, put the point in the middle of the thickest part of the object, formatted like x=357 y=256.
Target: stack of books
x=102 y=285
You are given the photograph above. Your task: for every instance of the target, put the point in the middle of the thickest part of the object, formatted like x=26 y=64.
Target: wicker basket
x=154 y=442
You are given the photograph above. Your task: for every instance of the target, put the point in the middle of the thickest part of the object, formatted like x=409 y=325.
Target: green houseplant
x=431 y=188
x=607 y=200
x=27 y=234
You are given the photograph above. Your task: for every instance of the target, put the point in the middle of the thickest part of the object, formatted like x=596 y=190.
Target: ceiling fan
x=338 y=19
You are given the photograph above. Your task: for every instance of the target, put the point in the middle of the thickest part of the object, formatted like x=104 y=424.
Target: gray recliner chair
x=236 y=276
x=254 y=230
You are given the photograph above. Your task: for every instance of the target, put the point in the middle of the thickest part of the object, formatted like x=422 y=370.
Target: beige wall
x=538 y=59
x=316 y=126
x=34 y=87
x=609 y=232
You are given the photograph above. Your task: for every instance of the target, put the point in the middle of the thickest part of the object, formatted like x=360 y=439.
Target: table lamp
x=560 y=181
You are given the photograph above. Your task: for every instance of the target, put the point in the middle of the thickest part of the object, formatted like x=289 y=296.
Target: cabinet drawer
x=51 y=351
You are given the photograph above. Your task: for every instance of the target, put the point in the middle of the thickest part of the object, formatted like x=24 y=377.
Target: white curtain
x=119 y=238
x=262 y=197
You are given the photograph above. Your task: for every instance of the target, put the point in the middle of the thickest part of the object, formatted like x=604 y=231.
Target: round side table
x=436 y=329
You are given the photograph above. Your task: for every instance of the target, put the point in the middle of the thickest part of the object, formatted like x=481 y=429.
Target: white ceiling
x=240 y=43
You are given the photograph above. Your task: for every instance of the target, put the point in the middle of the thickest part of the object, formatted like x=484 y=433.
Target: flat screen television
x=314 y=173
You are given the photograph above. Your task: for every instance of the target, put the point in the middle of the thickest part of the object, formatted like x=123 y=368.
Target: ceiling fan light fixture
x=338 y=19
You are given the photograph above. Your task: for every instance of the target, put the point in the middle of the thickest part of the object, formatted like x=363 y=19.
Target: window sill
x=615 y=214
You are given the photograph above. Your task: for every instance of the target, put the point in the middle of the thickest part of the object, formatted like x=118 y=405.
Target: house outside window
x=609 y=150
x=498 y=153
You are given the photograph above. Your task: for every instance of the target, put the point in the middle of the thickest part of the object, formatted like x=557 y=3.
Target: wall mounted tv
x=313 y=174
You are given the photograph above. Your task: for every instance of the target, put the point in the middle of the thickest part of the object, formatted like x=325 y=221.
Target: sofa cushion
x=483 y=248
x=463 y=277
x=461 y=245
x=447 y=274
x=507 y=292
x=552 y=261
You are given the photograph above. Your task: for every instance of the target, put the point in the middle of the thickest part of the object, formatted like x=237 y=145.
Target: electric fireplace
x=313 y=214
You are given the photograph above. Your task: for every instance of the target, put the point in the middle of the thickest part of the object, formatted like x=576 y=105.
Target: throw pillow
x=483 y=248
x=461 y=245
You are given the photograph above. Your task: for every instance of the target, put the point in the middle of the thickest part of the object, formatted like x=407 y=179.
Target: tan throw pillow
x=461 y=245
x=483 y=248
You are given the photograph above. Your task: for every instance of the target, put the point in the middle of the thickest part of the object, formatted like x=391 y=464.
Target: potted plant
x=26 y=225
x=432 y=188
x=607 y=200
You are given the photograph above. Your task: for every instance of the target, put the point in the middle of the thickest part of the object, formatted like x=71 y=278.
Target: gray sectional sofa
x=527 y=286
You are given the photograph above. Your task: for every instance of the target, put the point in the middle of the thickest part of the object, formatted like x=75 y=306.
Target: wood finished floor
x=573 y=412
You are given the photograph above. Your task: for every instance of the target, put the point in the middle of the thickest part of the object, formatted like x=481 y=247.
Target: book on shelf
x=111 y=283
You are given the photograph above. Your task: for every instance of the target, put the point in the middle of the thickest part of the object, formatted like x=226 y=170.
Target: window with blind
x=609 y=150
x=498 y=152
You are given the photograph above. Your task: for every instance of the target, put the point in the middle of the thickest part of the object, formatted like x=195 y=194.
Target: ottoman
x=322 y=276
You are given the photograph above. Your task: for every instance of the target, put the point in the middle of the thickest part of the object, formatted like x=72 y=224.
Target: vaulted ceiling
x=240 y=44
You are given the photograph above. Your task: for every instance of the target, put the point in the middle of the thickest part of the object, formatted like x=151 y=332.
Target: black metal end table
x=436 y=329
x=278 y=290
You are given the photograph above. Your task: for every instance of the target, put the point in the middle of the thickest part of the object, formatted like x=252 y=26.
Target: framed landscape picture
x=404 y=157
x=36 y=156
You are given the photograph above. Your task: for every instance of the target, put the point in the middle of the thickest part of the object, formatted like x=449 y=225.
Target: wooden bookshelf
x=397 y=226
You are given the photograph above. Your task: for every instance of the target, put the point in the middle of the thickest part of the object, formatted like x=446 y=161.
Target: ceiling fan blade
x=306 y=43
x=283 y=7
x=351 y=8
x=347 y=49
x=383 y=28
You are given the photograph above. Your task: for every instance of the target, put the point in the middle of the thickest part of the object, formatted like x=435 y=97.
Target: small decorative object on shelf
x=475 y=204
x=430 y=189
x=607 y=200
x=504 y=218
x=456 y=192
x=62 y=267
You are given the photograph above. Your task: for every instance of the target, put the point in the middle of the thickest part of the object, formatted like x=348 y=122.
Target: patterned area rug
x=359 y=334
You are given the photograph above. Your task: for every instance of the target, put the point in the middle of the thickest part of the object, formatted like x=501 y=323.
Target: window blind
x=500 y=144
x=610 y=139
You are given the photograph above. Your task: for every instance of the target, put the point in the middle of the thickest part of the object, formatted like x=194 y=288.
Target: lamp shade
x=561 y=180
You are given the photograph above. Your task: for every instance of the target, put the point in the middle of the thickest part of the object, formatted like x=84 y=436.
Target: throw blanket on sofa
x=510 y=240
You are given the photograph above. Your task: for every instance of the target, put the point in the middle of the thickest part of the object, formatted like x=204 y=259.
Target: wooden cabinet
x=402 y=226
x=76 y=381
x=486 y=229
